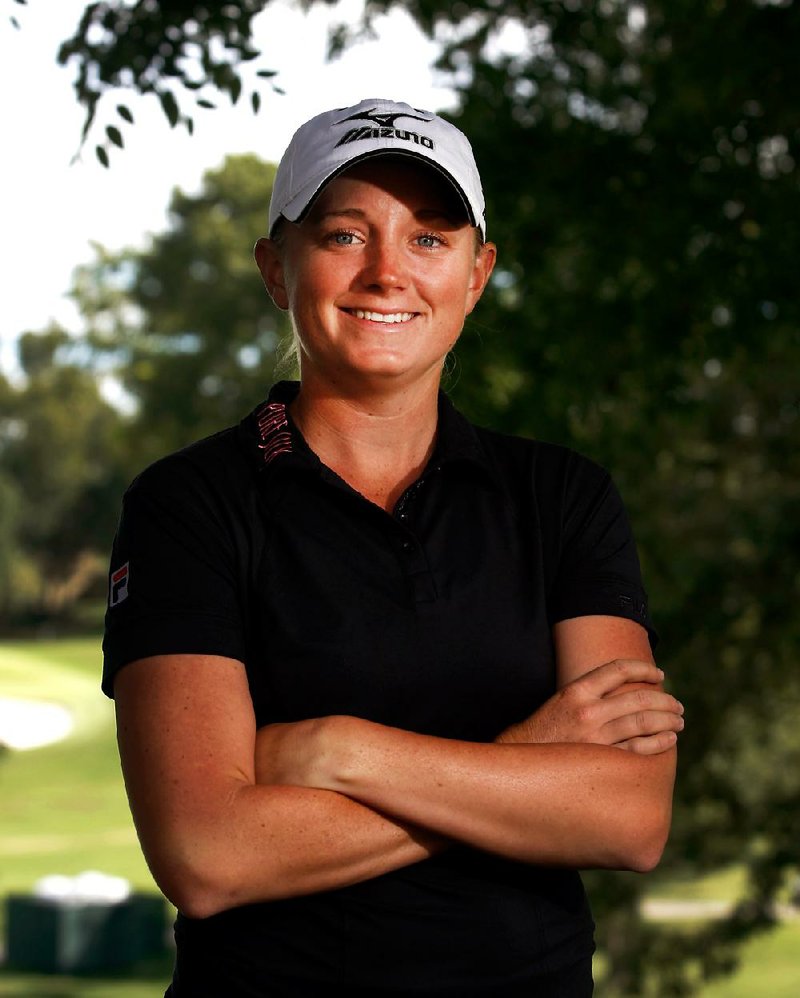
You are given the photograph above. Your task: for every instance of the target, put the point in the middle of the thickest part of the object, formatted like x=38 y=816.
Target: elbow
x=643 y=846
x=195 y=902
x=193 y=892
x=646 y=858
x=642 y=827
x=200 y=887
x=197 y=884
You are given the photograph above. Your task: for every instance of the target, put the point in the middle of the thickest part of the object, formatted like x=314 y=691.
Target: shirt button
x=407 y=545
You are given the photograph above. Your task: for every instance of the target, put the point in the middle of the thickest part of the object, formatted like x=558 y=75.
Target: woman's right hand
x=620 y=703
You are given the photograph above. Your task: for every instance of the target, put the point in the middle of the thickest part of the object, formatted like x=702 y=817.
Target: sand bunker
x=29 y=724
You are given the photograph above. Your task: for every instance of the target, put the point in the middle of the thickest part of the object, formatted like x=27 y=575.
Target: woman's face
x=379 y=276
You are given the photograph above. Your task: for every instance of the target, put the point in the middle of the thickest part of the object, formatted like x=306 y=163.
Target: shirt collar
x=273 y=440
x=457 y=440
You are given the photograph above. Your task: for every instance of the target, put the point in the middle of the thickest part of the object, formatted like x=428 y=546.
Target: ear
x=270 y=265
x=481 y=272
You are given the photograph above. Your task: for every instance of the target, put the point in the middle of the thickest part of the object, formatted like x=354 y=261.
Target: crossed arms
x=228 y=814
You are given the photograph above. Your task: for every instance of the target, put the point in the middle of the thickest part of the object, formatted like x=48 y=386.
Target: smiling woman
x=383 y=678
x=378 y=280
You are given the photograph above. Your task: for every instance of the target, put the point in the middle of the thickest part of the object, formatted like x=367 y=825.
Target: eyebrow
x=423 y=214
x=340 y=213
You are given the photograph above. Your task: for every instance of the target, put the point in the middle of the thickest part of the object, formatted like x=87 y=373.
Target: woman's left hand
x=619 y=703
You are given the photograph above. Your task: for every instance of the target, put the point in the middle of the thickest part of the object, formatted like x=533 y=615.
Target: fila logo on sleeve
x=118 y=588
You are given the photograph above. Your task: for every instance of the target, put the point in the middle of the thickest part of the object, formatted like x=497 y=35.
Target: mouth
x=390 y=318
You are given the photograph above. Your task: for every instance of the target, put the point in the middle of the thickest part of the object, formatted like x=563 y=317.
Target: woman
x=383 y=679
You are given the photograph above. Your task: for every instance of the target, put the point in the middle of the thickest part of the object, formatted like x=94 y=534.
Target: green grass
x=64 y=807
x=147 y=980
x=64 y=810
x=727 y=883
x=770 y=967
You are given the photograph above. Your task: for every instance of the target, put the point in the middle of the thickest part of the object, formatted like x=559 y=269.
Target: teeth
x=381 y=317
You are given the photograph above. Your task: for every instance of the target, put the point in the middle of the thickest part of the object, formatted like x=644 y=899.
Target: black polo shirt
x=437 y=618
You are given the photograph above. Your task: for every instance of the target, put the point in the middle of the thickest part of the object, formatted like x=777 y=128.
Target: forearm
x=564 y=804
x=213 y=837
x=271 y=842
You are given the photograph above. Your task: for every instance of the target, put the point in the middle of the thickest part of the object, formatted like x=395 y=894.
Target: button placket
x=406 y=500
x=414 y=557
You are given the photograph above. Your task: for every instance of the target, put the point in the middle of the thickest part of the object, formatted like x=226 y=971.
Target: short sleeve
x=598 y=566
x=174 y=580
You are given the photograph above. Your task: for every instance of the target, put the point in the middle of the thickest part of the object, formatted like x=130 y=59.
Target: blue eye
x=429 y=241
x=342 y=238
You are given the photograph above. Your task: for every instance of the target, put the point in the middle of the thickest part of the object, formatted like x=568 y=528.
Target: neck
x=379 y=443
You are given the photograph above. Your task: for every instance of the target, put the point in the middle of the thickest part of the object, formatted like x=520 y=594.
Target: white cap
x=333 y=141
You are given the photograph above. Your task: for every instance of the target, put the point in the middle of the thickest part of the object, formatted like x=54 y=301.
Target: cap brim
x=297 y=209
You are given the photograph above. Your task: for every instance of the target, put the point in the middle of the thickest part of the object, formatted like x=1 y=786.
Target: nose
x=384 y=266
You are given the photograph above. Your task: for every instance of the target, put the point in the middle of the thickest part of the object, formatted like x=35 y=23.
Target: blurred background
x=640 y=166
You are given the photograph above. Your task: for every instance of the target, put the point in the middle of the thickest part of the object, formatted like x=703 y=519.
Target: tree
x=186 y=323
x=60 y=478
x=10 y=502
x=177 y=51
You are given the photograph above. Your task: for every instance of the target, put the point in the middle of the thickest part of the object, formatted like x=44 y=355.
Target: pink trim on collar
x=273 y=428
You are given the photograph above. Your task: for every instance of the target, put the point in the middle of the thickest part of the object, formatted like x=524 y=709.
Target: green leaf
x=255 y=100
x=102 y=155
x=124 y=112
x=235 y=89
x=265 y=73
x=189 y=122
x=202 y=102
x=169 y=106
x=114 y=135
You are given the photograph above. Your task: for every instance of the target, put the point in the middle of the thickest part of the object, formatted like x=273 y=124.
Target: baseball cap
x=333 y=141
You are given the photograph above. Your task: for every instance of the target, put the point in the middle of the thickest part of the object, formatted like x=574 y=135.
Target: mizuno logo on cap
x=382 y=127
x=385 y=120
